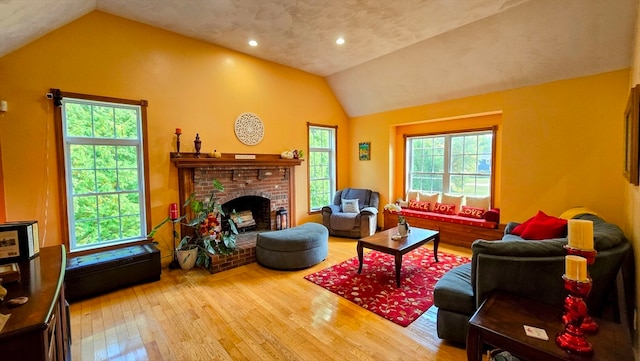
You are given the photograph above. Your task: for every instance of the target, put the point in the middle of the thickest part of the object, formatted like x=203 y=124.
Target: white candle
x=576 y=268
x=580 y=234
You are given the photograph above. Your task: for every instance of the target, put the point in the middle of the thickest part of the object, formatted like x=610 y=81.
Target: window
x=322 y=166
x=105 y=170
x=456 y=163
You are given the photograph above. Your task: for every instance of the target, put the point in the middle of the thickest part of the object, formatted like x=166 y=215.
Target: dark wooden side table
x=499 y=323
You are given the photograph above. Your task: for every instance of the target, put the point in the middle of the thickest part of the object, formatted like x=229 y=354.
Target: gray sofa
x=352 y=225
x=532 y=269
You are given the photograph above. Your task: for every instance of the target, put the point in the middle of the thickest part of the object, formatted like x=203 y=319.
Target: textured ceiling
x=397 y=53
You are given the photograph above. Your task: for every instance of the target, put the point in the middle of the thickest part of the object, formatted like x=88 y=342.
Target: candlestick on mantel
x=173 y=211
x=576 y=268
x=178 y=133
x=580 y=234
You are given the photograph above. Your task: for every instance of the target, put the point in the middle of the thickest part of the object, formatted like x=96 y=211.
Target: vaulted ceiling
x=396 y=53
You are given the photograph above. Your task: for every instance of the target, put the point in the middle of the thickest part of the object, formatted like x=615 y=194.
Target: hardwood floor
x=248 y=313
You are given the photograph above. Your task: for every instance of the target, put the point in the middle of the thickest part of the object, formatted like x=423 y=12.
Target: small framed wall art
x=632 y=128
x=364 y=150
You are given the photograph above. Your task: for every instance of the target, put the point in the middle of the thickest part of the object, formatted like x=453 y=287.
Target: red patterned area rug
x=375 y=289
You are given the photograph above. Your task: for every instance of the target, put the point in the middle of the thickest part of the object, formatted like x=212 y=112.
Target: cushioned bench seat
x=293 y=248
x=448 y=218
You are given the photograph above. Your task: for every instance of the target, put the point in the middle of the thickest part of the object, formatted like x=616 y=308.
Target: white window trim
x=446 y=187
x=333 y=160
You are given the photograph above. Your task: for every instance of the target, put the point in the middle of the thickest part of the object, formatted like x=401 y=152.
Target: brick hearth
x=245 y=253
x=266 y=176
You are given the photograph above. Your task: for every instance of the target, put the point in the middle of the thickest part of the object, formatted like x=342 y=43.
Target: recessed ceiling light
x=340 y=41
x=253 y=43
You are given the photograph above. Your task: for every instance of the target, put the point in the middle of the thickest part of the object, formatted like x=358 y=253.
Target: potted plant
x=206 y=236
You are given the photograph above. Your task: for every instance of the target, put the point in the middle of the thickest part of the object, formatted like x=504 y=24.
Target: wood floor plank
x=248 y=313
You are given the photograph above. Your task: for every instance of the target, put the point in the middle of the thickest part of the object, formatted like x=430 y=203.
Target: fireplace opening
x=254 y=211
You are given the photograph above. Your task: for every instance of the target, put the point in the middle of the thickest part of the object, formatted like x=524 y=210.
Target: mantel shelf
x=189 y=160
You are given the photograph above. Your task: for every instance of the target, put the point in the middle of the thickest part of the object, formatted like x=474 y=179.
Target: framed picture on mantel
x=631 y=129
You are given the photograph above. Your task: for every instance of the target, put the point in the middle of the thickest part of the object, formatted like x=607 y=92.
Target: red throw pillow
x=492 y=215
x=445 y=208
x=517 y=230
x=543 y=226
x=471 y=212
x=419 y=206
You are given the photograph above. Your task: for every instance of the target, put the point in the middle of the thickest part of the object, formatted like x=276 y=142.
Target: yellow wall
x=189 y=84
x=632 y=195
x=560 y=145
x=3 y=214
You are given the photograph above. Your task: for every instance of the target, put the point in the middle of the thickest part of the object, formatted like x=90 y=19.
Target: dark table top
x=383 y=239
x=504 y=315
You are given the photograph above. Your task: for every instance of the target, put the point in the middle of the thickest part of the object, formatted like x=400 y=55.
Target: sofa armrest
x=519 y=257
x=510 y=226
x=538 y=278
x=369 y=211
x=333 y=208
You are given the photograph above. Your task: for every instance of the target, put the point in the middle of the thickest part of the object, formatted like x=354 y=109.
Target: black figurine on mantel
x=197 y=143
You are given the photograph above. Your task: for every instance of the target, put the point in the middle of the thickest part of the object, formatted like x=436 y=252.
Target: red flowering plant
x=206 y=234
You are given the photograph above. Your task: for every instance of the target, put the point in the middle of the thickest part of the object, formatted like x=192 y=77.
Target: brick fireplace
x=256 y=184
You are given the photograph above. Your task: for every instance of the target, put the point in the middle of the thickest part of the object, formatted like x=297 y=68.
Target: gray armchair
x=352 y=224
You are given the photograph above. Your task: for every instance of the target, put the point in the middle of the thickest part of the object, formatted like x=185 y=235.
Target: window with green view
x=104 y=172
x=322 y=166
x=455 y=163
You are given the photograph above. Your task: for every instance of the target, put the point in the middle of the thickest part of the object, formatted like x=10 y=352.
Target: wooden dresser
x=39 y=329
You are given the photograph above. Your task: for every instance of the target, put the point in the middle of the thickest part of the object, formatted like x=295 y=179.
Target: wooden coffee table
x=383 y=242
x=499 y=323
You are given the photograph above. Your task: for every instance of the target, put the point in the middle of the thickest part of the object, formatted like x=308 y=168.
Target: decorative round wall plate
x=249 y=129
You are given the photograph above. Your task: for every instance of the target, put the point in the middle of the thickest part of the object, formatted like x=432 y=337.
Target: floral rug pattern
x=375 y=288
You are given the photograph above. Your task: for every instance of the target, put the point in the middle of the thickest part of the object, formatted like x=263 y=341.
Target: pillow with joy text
x=445 y=208
x=541 y=226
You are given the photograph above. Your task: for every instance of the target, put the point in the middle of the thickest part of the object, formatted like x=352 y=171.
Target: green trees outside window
x=104 y=172
x=456 y=163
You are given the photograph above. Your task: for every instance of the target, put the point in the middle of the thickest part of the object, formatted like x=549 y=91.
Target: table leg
x=474 y=345
x=360 y=256
x=436 y=242
x=398 y=268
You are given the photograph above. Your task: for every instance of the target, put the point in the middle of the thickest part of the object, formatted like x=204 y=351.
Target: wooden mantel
x=189 y=163
x=189 y=160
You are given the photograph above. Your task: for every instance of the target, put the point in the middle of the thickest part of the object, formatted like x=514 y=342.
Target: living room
x=559 y=143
